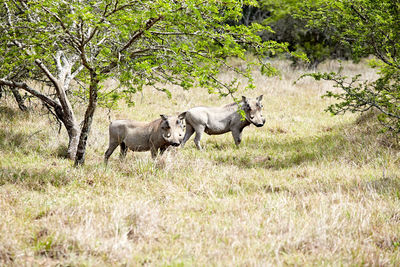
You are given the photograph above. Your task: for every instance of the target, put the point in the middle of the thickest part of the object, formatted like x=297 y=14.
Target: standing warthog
x=220 y=120
x=145 y=136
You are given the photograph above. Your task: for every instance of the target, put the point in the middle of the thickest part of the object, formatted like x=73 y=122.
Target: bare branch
x=8 y=14
x=177 y=33
x=57 y=59
x=32 y=91
x=76 y=72
x=46 y=71
x=26 y=8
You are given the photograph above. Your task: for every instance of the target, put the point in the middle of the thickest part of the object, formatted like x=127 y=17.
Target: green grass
x=306 y=189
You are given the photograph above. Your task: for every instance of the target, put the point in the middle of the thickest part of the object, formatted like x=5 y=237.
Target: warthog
x=220 y=120
x=155 y=136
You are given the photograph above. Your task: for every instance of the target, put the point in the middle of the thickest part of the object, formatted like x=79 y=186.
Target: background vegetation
x=343 y=29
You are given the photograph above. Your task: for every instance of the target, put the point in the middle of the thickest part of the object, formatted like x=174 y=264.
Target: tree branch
x=139 y=33
x=32 y=91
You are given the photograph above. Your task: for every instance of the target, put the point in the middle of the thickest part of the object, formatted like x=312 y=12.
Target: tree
x=30 y=51
x=149 y=42
x=368 y=28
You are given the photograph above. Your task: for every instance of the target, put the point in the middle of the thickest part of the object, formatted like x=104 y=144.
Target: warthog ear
x=259 y=98
x=244 y=99
x=182 y=115
x=165 y=120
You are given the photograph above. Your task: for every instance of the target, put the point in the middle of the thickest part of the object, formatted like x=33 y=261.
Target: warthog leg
x=124 y=150
x=237 y=136
x=154 y=152
x=189 y=132
x=199 y=132
x=109 y=151
x=163 y=149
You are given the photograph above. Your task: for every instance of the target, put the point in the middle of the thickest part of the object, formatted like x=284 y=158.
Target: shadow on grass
x=34 y=179
x=26 y=138
x=285 y=153
x=10 y=114
x=356 y=142
x=385 y=185
x=28 y=142
x=10 y=139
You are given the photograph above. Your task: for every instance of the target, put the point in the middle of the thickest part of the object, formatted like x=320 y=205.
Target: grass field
x=306 y=189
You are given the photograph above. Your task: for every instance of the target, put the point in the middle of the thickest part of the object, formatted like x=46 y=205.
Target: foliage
x=139 y=42
x=367 y=27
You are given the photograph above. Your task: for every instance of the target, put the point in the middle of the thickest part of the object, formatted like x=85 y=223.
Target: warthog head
x=252 y=108
x=173 y=128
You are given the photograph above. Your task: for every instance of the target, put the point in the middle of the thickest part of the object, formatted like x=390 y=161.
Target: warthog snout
x=260 y=124
x=175 y=144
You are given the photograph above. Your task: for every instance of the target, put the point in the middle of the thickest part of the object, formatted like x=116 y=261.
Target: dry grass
x=306 y=189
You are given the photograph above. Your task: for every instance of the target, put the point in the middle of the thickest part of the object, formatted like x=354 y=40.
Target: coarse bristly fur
x=156 y=136
x=308 y=188
x=221 y=120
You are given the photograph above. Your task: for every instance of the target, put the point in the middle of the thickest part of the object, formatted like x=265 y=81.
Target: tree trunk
x=72 y=127
x=73 y=135
x=18 y=98
x=67 y=118
x=73 y=142
x=87 y=123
